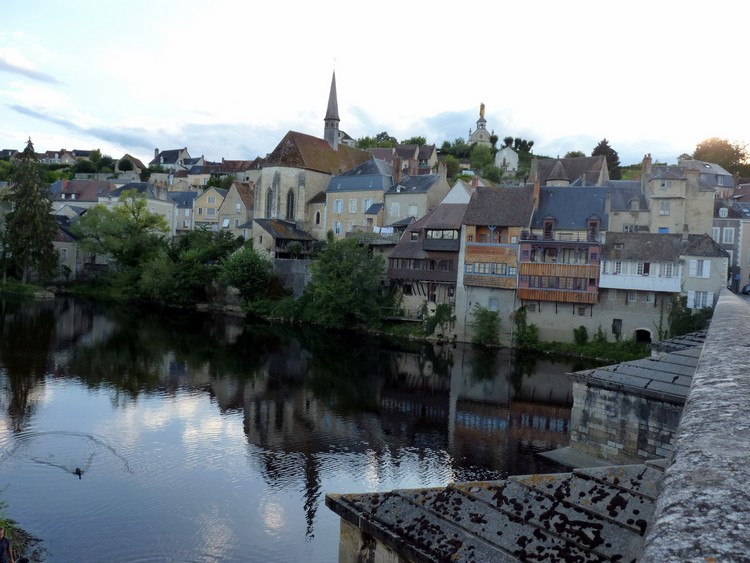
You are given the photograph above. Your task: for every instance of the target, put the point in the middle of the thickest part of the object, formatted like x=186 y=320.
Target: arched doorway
x=643 y=335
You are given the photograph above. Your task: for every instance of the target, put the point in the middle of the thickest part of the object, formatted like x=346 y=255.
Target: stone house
x=414 y=196
x=350 y=197
x=237 y=208
x=81 y=193
x=184 y=210
x=506 y=159
x=172 y=159
x=574 y=171
x=207 y=207
x=157 y=201
x=488 y=255
x=729 y=221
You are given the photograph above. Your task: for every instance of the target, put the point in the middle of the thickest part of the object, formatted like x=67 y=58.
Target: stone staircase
x=591 y=514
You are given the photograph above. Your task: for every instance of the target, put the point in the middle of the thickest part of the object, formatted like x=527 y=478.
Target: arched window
x=317 y=217
x=269 y=203
x=290 y=205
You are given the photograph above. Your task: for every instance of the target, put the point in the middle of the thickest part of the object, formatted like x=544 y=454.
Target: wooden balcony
x=560 y=295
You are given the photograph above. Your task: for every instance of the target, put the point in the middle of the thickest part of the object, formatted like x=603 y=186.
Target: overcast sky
x=230 y=78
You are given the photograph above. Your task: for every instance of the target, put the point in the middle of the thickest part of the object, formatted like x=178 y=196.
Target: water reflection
x=317 y=409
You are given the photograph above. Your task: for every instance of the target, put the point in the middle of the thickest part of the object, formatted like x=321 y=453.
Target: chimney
x=536 y=193
x=397 y=163
x=475 y=181
x=443 y=170
x=156 y=154
x=685 y=233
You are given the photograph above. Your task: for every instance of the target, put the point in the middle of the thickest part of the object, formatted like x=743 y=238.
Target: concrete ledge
x=703 y=511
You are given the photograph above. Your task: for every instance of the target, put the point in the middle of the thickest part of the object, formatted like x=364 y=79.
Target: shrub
x=580 y=335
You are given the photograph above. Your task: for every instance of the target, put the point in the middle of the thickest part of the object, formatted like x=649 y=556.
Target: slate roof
x=320 y=197
x=183 y=200
x=374 y=209
x=588 y=168
x=386 y=154
x=591 y=514
x=426 y=152
x=298 y=150
x=733 y=211
x=507 y=207
x=414 y=184
x=145 y=188
x=622 y=192
x=677 y=172
x=7 y=153
x=170 y=156
x=375 y=174
x=658 y=247
x=571 y=207
x=282 y=230
x=407 y=151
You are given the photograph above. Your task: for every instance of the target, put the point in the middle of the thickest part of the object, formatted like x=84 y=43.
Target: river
x=203 y=437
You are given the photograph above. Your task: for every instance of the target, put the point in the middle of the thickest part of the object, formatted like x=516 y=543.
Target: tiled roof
x=414 y=184
x=500 y=206
x=375 y=174
x=298 y=150
x=246 y=192
x=87 y=190
x=622 y=192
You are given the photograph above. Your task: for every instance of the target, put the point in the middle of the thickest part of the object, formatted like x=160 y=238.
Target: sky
x=228 y=79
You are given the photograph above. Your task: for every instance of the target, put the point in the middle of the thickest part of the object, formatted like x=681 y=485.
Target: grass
x=15 y=287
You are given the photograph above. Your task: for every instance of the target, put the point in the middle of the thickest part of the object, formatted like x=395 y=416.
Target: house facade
x=237 y=208
x=488 y=256
x=172 y=159
x=207 y=207
x=412 y=197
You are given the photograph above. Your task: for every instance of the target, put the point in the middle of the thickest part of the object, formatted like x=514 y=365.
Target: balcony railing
x=562 y=237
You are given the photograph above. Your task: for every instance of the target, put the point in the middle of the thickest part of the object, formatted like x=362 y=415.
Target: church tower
x=331 y=130
x=480 y=136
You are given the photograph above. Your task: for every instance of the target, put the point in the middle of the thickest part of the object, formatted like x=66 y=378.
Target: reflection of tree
x=27 y=331
x=484 y=363
x=524 y=364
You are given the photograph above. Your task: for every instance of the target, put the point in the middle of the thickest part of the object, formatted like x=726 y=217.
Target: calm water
x=204 y=438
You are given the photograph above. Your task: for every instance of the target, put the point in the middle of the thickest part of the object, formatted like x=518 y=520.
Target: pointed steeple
x=331 y=130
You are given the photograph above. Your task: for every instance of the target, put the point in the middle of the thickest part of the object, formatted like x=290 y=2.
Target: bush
x=486 y=326
x=580 y=335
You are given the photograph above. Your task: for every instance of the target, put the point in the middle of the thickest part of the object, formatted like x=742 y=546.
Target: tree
x=125 y=165
x=106 y=164
x=492 y=173
x=452 y=166
x=30 y=226
x=480 y=157
x=730 y=156
x=385 y=140
x=96 y=159
x=129 y=233
x=345 y=286
x=249 y=271
x=507 y=141
x=613 y=159
x=421 y=141
x=485 y=326
x=574 y=154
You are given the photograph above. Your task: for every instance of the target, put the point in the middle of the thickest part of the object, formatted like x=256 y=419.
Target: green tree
x=30 y=226
x=730 y=156
x=613 y=159
x=249 y=271
x=96 y=159
x=452 y=166
x=106 y=164
x=493 y=141
x=485 y=326
x=507 y=141
x=493 y=173
x=480 y=157
x=421 y=141
x=129 y=233
x=125 y=165
x=345 y=286
x=385 y=140
x=574 y=154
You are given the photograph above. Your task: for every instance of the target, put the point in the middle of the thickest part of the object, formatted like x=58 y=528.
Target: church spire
x=331 y=129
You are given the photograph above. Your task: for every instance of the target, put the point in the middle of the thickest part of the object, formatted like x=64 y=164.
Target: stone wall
x=702 y=511
x=621 y=427
x=294 y=274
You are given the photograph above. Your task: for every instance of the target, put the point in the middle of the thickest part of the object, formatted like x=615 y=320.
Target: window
x=617 y=326
x=469 y=268
x=200 y=211
x=494 y=304
x=63 y=254
x=290 y=205
x=618 y=267
x=650 y=296
x=412 y=210
x=700 y=299
x=269 y=203
x=225 y=223
x=605 y=267
x=665 y=184
x=643 y=268
x=728 y=235
x=236 y=223
x=338 y=206
x=629 y=229
x=612 y=294
x=632 y=296
x=237 y=207
x=715 y=233
x=414 y=236
x=666 y=270
x=723 y=212
x=580 y=310
x=187 y=213
x=664 y=207
x=395 y=210
x=211 y=199
x=532 y=307
x=211 y=211
x=317 y=217
x=350 y=226
x=366 y=204
x=338 y=227
x=352 y=206
x=700 y=269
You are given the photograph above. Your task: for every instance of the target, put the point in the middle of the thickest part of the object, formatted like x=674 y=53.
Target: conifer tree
x=30 y=226
x=613 y=159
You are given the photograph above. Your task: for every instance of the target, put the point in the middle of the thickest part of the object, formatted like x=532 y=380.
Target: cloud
x=7 y=66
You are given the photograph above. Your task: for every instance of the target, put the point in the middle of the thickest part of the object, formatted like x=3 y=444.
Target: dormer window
x=723 y=212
